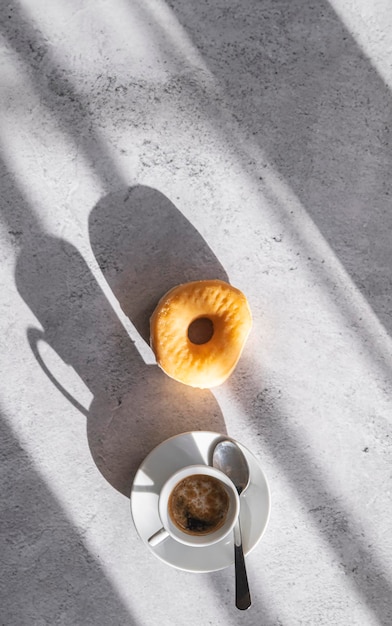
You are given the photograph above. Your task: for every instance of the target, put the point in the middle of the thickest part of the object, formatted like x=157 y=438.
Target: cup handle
x=157 y=537
x=34 y=335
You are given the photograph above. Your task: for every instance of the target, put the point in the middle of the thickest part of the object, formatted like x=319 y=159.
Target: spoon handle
x=242 y=593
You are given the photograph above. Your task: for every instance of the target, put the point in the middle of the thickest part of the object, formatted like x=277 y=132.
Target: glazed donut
x=207 y=362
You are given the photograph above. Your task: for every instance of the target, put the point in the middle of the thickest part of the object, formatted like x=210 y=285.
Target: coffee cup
x=198 y=506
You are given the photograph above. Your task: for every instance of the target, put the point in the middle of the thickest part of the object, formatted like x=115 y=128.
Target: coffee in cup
x=198 y=506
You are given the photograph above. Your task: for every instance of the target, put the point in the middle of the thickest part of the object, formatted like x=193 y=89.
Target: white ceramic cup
x=170 y=529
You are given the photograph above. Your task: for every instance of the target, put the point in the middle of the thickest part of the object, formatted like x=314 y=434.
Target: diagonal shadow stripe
x=300 y=87
x=333 y=520
x=51 y=80
x=47 y=574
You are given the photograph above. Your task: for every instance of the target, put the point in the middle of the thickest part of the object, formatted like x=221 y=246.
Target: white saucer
x=173 y=454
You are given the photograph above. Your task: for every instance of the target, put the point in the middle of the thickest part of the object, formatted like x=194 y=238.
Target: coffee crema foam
x=198 y=504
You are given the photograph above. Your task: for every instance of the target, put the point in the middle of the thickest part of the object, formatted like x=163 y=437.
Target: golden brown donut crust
x=209 y=364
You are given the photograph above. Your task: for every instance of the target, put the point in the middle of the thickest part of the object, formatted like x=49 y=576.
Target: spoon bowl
x=229 y=458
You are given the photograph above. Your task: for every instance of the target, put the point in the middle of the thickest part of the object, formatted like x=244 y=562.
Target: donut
x=203 y=359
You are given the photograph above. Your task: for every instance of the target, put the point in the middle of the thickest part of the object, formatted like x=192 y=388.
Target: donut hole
x=200 y=330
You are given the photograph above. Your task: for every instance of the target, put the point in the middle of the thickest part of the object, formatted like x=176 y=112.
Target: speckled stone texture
x=145 y=143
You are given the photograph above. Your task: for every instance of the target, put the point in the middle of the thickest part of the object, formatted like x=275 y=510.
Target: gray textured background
x=143 y=144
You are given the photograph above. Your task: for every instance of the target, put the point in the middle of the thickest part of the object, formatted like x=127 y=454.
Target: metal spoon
x=228 y=457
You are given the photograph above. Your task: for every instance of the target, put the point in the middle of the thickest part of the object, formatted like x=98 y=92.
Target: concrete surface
x=144 y=143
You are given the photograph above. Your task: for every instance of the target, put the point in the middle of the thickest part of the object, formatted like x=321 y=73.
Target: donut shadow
x=144 y=246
